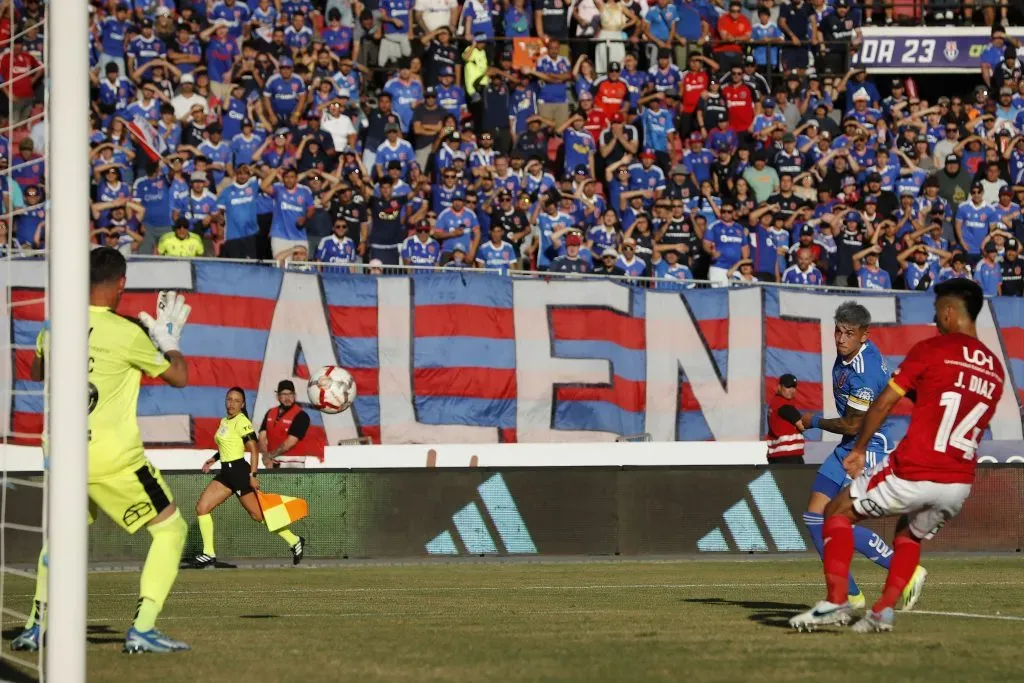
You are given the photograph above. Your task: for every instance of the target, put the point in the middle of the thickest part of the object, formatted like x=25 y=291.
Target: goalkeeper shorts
x=133 y=497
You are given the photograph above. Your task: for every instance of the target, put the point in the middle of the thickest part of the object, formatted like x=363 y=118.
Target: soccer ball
x=331 y=389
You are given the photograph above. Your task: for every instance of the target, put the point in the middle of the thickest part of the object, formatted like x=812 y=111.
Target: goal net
x=44 y=246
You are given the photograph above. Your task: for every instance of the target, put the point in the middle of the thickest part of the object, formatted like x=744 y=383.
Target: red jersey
x=784 y=439
x=15 y=67
x=739 y=99
x=595 y=124
x=955 y=382
x=693 y=84
x=609 y=96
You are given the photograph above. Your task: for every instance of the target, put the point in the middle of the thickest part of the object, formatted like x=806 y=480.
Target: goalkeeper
x=122 y=482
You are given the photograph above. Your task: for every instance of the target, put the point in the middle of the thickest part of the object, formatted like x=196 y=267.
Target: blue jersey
x=192 y=48
x=195 y=209
x=333 y=249
x=635 y=81
x=240 y=206
x=553 y=93
x=641 y=178
x=656 y=127
x=149 y=113
x=766 y=255
x=243 y=148
x=112 y=35
x=400 y=10
x=298 y=38
x=452 y=99
x=418 y=253
x=549 y=225
x=794 y=276
x=729 y=240
x=873 y=279
x=235 y=16
x=534 y=185
x=155 y=196
x=219 y=153
x=449 y=221
x=699 y=163
x=145 y=51
x=763 y=55
x=989 y=276
x=498 y=258
x=402 y=152
x=914 y=274
x=441 y=197
x=284 y=93
x=339 y=40
x=976 y=220
x=220 y=55
x=855 y=385
x=404 y=97
x=678 y=276
x=579 y=146
x=289 y=206
x=667 y=80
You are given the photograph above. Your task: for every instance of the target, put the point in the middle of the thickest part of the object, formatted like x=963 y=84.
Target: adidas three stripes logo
x=473 y=531
x=744 y=528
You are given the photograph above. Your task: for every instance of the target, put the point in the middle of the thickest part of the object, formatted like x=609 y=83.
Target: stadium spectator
x=282 y=434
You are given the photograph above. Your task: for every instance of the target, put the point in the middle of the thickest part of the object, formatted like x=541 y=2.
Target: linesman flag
x=280 y=511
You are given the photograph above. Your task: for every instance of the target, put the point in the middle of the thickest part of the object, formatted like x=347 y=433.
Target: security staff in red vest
x=282 y=434
x=785 y=431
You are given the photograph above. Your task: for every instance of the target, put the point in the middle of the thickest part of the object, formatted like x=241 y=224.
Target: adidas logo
x=473 y=530
x=744 y=528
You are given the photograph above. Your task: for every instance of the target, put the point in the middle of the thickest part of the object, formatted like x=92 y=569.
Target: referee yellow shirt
x=170 y=245
x=231 y=437
x=119 y=352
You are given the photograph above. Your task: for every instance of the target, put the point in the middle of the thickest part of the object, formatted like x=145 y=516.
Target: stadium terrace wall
x=447 y=358
x=564 y=511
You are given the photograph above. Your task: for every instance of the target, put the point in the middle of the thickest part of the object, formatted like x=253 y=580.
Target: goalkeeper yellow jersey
x=231 y=436
x=119 y=352
x=170 y=245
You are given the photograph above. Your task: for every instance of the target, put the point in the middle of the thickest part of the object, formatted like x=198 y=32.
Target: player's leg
x=837 y=543
x=827 y=484
x=215 y=493
x=297 y=543
x=135 y=499
x=35 y=625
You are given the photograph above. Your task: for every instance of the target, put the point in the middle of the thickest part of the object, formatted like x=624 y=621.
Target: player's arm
x=176 y=373
x=870 y=424
x=847 y=425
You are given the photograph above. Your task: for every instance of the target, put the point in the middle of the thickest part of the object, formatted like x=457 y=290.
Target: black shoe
x=297 y=550
x=202 y=561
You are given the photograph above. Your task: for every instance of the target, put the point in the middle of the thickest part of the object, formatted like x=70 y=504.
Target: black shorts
x=235 y=475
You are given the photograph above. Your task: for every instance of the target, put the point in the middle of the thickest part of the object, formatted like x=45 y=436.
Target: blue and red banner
x=480 y=358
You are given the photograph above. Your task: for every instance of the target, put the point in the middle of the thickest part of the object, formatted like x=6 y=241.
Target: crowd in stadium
x=677 y=139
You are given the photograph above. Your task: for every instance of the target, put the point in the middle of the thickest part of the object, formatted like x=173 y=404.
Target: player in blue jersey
x=859 y=375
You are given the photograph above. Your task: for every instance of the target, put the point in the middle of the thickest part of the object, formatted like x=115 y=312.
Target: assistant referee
x=235 y=437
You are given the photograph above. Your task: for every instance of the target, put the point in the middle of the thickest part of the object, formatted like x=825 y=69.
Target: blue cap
x=459 y=193
x=480 y=38
x=768 y=102
x=447 y=71
x=285 y=61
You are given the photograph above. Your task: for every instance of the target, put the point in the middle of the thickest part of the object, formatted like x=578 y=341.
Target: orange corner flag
x=280 y=511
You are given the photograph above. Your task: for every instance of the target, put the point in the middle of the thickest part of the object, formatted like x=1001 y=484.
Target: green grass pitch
x=678 y=620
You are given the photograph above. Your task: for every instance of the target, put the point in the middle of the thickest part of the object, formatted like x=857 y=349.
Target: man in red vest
x=282 y=434
x=785 y=432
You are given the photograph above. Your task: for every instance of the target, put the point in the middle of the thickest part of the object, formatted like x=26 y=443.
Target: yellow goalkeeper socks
x=161 y=569
x=36 y=615
x=288 y=537
x=206 y=531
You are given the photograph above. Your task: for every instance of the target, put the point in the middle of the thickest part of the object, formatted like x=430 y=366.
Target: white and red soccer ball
x=331 y=389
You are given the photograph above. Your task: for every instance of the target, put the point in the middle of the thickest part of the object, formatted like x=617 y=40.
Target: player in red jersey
x=955 y=382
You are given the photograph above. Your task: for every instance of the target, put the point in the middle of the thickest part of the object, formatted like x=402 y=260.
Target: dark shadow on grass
x=766 y=613
x=102 y=634
x=11 y=673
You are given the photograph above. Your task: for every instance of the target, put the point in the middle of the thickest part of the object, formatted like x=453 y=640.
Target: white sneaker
x=912 y=591
x=825 y=613
x=875 y=622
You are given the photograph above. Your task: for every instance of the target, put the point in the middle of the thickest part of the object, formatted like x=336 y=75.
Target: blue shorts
x=832 y=478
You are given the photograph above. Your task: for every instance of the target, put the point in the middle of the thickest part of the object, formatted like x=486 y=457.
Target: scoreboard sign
x=923 y=50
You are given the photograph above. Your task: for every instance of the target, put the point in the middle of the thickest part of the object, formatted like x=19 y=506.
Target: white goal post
x=68 y=247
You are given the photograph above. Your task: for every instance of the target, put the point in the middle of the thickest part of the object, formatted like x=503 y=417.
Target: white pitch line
x=585 y=587
x=967 y=615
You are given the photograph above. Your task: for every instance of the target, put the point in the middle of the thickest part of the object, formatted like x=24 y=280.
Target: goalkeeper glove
x=171 y=314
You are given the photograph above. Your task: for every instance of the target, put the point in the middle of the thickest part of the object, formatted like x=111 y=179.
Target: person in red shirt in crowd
x=695 y=82
x=611 y=91
x=20 y=71
x=739 y=98
x=785 y=432
x=594 y=120
x=734 y=30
